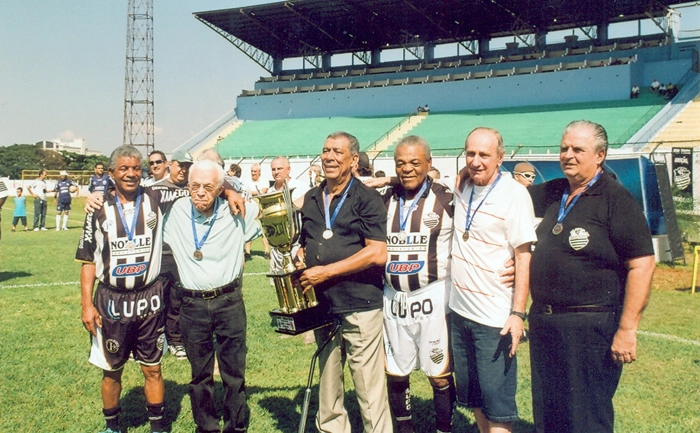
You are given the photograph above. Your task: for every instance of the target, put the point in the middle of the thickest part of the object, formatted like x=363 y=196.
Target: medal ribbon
x=327 y=205
x=563 y=208
x=470 y=219
x=199 y=243
x=403 y=220
x=129 y=230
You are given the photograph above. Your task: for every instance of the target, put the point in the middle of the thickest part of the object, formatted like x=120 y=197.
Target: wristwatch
x=522 y=316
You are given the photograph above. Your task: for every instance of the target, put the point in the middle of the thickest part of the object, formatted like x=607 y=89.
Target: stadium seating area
x=301 y=137
x=537 y=128
x=474 y=61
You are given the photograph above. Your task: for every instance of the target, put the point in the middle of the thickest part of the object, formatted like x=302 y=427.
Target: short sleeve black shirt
x=585 y=263
x=362 y=217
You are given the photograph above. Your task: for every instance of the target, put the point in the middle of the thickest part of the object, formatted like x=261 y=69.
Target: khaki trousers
x=360 y=342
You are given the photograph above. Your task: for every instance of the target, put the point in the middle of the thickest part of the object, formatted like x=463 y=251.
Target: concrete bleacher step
x=212 y=140
x=396 y=135
x=684 y=127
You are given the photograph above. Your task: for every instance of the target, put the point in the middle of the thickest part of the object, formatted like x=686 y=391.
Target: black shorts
x=132 y=322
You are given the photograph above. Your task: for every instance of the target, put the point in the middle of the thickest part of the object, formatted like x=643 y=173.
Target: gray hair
x=211 y=155
x=208 y=165
x=414 y=140
x=599 y=133
x=256 y=165
x=354 y=143
x=124 y=151
x=284 y=159
x=501 y=147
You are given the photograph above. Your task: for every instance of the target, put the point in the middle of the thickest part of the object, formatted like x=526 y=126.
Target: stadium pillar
x=276 y=65
x=429 y=52
x=483 y=46
x=540 y=40
x=376 y=57
x=326 y=62
x=602 y=33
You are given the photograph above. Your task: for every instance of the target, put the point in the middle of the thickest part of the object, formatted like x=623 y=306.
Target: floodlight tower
x=138 y=88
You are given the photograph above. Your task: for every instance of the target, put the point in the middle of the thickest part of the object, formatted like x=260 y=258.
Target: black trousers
x=168 y=268
x=574 y=377
x=222 y=319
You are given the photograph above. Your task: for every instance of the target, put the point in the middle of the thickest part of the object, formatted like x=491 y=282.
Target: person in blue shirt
x=20 y=213
x=100 y=181
x=62 y=194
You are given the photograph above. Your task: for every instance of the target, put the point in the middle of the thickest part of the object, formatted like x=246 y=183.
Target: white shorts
x=416 y=330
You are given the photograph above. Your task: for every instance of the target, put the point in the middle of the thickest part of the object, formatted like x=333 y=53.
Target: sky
x=62 y=66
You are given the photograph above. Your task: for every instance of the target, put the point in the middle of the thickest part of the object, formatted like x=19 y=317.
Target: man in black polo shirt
x=344 y=241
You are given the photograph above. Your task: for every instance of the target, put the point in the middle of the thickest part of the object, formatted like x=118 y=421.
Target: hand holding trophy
x=281 y=226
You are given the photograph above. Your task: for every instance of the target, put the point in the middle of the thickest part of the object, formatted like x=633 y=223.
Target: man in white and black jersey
x=120 y=247
x=416 y=287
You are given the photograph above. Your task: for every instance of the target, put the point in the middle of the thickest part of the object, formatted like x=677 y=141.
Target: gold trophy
x=281 y=226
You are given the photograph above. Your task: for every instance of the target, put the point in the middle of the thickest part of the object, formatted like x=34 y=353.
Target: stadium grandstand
x=524 y=67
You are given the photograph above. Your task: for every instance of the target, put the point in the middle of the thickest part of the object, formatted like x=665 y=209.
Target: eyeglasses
x=208 y=187
x=527 y=175
x=156 y=162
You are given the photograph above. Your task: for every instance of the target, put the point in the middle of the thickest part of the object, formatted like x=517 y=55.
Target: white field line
x=74 y=283
x=669 y=337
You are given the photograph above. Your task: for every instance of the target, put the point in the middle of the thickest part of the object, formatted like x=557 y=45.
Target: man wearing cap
x=173 y=187
x=524 y=173
x=198 y=229
x=363 y=169
x=38 y=190
x=62 y=195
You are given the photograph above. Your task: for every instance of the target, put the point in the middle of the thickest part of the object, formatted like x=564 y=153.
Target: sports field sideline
x=46 y=383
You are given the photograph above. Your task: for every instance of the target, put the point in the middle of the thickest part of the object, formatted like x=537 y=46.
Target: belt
x=213 y=293
x=548 y=309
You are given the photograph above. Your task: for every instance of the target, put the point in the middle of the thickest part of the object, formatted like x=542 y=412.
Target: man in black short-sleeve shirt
x=345 y=254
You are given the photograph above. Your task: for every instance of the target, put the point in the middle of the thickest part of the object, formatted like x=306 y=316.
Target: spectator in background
x=434 y=173
x=38 y=190
x=4 y=193
x=379 y=173
x=363 y=169
x=233 y=176
x=100 y=181
x=158 y=166
x=524 y=173
x=671 y=91
x=315 y=175
x=257 y=187
x=635 y=91
x=662 y=90
x=655 y=86
x=62 y=194
x=20 y=213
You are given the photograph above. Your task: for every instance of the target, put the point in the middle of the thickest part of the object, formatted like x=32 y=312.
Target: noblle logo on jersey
x=130 y=270
x=404 y=268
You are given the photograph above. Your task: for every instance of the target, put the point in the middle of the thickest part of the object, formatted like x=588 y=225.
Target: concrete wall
x=575 y=86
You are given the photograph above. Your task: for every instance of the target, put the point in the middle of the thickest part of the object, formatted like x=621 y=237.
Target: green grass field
x=47 y=385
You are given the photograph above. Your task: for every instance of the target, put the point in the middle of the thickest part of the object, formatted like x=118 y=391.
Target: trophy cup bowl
x=281 y=226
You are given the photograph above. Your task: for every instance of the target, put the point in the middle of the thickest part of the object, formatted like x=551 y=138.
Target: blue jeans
x=224 y=319
x=486 y=377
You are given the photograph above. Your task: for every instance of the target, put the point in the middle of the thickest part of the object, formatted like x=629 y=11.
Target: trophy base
x=301 y=321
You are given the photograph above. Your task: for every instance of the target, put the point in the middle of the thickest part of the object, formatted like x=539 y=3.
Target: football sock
x=444 y=404
x=400 y=402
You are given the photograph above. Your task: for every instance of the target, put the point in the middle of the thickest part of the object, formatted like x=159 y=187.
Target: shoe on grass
x=44 y=229
x=178 y=351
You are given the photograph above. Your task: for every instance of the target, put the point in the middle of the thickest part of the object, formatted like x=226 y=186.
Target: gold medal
x=198 y=255
x=465 y=236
